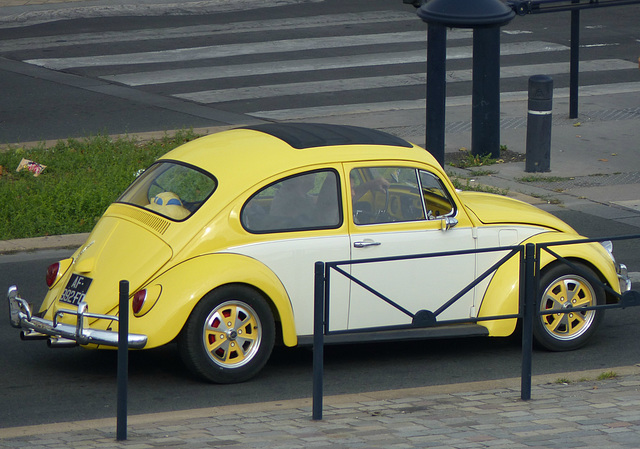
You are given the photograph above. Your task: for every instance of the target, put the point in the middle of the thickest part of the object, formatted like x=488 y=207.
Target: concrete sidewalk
x=566 y=410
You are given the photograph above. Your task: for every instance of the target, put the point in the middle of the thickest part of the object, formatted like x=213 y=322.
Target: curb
x=141 y=136
x=306 y=403
x=70 y=241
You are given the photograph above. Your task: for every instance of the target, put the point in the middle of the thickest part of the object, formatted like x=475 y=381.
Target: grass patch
x=604 y=376
x=465 y=159
x=467 y=185
x=534 y=178
x=547 y=198
x=81 y=179
x=476 y=173
x=607 y=375
x=562 y=380
x=470 y=160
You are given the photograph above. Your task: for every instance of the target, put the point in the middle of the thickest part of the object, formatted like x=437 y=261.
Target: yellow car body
x=217 y=263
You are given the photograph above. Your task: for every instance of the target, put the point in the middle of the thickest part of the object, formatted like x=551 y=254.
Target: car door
x=402 y=210
x=300 y=221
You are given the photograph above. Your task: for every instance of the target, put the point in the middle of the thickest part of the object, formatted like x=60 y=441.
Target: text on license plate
x=76 y=289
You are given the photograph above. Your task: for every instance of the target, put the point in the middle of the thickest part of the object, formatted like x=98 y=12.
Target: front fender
x=185 y=284
x=502 y=295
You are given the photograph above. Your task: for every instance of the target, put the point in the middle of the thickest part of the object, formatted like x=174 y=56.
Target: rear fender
x=185 y=284
x=502 y=295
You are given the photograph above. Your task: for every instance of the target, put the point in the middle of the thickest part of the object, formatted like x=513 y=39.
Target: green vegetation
x=81 y=179
x=465 y=159
x=470 y=160
x=547 y=198
x=475 y=187
x=562 y=380
x=604 y=376
x=607 y=375
x=534 y=178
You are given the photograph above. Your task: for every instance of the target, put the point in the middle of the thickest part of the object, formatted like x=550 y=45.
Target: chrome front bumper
x=623 y=277
x=61 y=334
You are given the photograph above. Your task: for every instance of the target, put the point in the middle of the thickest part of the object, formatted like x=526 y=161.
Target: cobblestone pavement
x=585 y=410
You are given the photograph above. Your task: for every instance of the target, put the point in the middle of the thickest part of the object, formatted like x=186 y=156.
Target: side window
x=385 y=195
x=307 y=201
x=436 y=199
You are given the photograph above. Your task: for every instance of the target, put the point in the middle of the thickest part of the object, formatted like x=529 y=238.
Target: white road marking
x=378 y=82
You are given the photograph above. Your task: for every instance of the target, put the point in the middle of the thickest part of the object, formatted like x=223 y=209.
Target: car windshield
x=170 y=189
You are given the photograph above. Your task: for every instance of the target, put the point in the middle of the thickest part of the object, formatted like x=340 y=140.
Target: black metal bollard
x=528 y=290
x=539 y=119
x=318 y=340
x=123 y=361
x=485 y=110
x=436 y=91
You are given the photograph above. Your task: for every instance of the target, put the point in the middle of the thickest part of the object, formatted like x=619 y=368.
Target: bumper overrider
x=61 y=334
x=623 y=277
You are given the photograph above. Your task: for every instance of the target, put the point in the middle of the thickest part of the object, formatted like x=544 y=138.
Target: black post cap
x=466 y=13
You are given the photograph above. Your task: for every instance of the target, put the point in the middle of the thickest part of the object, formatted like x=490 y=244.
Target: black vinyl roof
x=310 y=135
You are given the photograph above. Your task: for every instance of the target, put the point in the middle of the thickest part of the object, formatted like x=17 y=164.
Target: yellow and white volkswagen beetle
x=218 y=240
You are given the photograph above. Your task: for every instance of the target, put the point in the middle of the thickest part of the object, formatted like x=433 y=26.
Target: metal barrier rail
x=524 y=7
x=529 y=260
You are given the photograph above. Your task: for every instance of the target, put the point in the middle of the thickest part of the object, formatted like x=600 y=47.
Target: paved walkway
x=566 y=410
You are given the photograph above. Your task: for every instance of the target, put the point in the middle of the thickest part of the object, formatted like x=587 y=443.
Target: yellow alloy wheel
x=566 y=292
x=229 y=335
x=232 y=334
x=565 y=288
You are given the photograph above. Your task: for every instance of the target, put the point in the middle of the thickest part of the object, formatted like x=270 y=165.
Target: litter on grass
x=34 y=167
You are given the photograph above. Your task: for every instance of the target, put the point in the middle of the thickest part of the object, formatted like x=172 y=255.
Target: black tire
x=229 y=335
x=562 y=287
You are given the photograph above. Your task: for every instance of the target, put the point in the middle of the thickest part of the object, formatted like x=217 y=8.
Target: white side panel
x=293 y=261
x=415 y=284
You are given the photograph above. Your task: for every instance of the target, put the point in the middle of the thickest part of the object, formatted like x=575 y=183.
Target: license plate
x=76 y=289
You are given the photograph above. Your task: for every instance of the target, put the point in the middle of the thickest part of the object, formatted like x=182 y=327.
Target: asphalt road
x=139 y=72
x=42 y=385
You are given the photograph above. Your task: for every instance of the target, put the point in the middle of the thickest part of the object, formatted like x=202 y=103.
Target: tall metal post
x=484 y=17
x=436 y=90
x=485 y=113
x=123 y=361
x=528 y=315
x=318 y=340
x=574 y=64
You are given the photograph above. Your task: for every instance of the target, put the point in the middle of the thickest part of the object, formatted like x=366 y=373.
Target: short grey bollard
x=539 y=124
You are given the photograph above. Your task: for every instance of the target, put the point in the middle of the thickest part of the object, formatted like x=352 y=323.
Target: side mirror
x=448 y=223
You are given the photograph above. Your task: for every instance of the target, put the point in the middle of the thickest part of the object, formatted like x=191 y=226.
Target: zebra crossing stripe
x=302 y=65
x=378 y=82
x=221 y=51
x=463 y=100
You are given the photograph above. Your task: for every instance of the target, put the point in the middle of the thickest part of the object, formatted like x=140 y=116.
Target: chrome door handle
x=365 y=243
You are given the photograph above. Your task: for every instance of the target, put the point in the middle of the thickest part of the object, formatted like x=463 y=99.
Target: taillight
x=138 y=301
x=52 y=273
